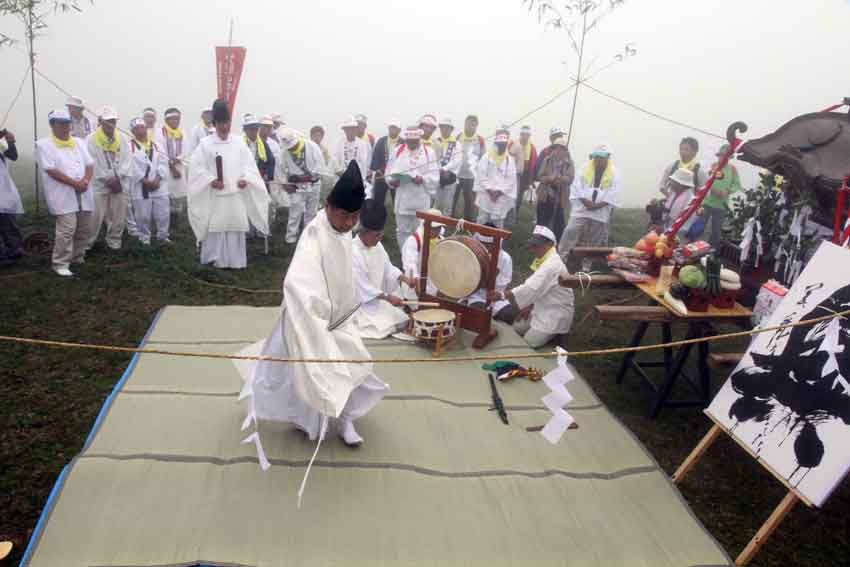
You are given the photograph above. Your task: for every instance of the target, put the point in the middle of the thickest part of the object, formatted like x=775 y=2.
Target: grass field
x=50 y=397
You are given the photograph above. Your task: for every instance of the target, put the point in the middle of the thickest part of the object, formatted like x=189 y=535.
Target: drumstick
x=421 y=303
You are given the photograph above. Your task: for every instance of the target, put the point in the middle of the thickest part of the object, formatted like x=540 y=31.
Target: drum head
x=434 y=315
x=454 y=268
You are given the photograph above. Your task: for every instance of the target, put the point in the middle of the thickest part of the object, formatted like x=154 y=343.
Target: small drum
x=433 y=324
x=458 y=265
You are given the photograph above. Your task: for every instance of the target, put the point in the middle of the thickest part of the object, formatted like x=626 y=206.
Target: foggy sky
x=705 y=63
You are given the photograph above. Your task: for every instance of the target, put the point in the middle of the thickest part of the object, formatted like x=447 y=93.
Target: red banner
x=229 y=63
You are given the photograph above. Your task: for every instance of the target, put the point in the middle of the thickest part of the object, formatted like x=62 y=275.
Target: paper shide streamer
x=557 y=399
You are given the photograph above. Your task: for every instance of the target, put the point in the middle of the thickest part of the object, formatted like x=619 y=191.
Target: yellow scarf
x=494 y=155
x=69 y=143
x=261 y=148
x=145 y=144
x=590 y=173
x=173 y=133
x=526 y=152
x=298 y=148
x=464 y=138
x=539 y=261
x=429 y=142
x=365 y=137
x=689 y=166
x=104 y=143
x=444 y=142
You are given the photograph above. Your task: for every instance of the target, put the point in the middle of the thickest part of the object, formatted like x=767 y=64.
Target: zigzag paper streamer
x=557 y=399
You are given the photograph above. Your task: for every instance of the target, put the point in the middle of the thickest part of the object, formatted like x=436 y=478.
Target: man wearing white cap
x=172 y=144
x=594 y=194
x=384 y=148
x=201 y=130
x=261 y=151
x=555 y=174
x=502 y=309
x=148 y=188
x=66 y=169
x=451 y=158
x=415 y=173
x=277 y=122
x=545 y=309
x=111 y=154
x=226 y=195
x=362 y=124
x=428 y=125
x=80 y=124
x=496 y=183
x=472 y=147
x=302 y=165
x=149 y=118
x=529 y=164
x=411 y=257
x=350 y=147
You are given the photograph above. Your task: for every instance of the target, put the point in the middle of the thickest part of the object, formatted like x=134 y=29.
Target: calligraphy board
x=788 y=400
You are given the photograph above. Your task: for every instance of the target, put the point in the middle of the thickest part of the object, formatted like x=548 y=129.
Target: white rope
x=589 y=276
x=15 y=100
x=322 y=430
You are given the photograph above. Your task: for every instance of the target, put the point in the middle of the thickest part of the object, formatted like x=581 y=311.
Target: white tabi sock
x=348 y=434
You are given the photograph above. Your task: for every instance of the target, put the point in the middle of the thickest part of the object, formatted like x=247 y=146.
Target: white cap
x=446 y=122
x=412 y=133
x=289 y=138
x=350 y=123
x=267 y=120
x=394 y=122
x=435 y=212
x=249 y=120
x=483 y=238
x=501 y=138
x=360 y=118
x=555 y=130
x=277 y=118
x=75 y=101
x=560 y=141
x=683 y=176
x=59 y=115
x=107 y=113
x=545 y=232
x=601 y=150
x=136 y=122
x=149 y=111
x=428 y=119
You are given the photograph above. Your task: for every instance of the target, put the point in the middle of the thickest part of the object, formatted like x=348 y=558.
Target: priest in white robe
x=411 y=257
x=317 y=322
x=414 y=170
x=226 y=195
x=496 y=183
x=376 y=280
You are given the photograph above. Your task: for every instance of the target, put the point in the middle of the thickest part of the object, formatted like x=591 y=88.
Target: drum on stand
x=458 y=266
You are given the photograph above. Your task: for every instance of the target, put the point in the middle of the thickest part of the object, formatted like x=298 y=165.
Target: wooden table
x=700 y=324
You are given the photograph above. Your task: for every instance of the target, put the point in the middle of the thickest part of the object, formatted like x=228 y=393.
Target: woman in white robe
x=221 y=211
x=376 y=280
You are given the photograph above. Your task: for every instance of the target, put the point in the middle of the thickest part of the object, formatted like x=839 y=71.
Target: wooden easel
x=779 y=513
x=474 y=319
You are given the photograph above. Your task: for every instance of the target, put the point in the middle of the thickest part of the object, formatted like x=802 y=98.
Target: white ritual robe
x=141 y=165
x=345 y=151
x=610 y=195
x=374 y=274
x=503 y=280
x=318 y=292
x=175 y=152
x=193 y=140
x=493 y=176
x=214 y=212
x=411 y=259
x=10 y=198
x=553 y=304
x=405 y=165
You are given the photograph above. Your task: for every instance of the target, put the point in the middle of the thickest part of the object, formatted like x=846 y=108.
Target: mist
x=706 y=64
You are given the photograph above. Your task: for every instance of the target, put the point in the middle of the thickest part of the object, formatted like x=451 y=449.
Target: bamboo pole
x=31 y=44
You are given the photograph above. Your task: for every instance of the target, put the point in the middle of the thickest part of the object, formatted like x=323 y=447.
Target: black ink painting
x=789 y=398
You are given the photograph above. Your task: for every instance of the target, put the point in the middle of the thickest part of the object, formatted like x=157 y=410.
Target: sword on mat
x=497 y=401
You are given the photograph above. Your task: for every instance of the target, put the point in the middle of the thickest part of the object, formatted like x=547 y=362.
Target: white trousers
x=224 y=250
x=405 y=225
x=109 y=208
x=484 y=218
x=301 y=205
x=534 y=338
x=71 y=240
x=153 y=210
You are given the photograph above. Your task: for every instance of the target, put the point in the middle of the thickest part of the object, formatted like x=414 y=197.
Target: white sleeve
x=366 y=292
x=482 y=180
x=391 y=274
x=535 y=286
x=506 y=271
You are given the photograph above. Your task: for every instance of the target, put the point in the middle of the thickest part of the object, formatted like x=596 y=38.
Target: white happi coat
x=198 y=133
x=63 y=199
x=553 y=304
x=405 y=165
x=318 y=293
x=451 y=157
x=411 y=259
x=345 y=151
x=10 y=198
x=503 y=280
x=107 y=164
x=493 y=176
x=313 y=164
x=141 y=166
x=374 y=275
x=231 y=209
x=175 y=152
